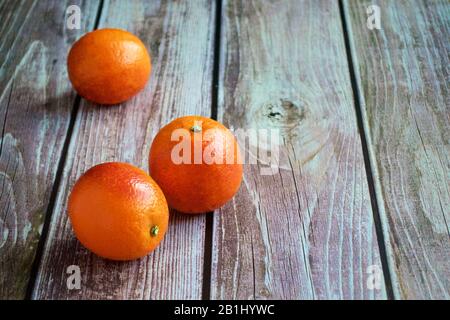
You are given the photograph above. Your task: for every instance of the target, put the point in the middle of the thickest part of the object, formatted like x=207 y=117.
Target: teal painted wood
x=306 y=232
x=35 y=107
x=179 y=36
x=403 y=76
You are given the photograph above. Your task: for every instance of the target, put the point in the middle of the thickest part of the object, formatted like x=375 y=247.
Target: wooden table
x=364 y=117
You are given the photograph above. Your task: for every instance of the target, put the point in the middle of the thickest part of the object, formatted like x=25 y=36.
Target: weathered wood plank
x=35 y=108
x=179 y=37
x=306 y=232
x=403 y=80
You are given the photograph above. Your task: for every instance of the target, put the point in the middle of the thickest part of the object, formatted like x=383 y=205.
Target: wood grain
x=35 y=108
x=403 y=81
x=307 y=231
x=179 y=36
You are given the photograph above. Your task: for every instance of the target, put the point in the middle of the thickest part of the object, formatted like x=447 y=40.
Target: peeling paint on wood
x=403 y=76
x=179 y=37
x=35 y=107
x=306 y=232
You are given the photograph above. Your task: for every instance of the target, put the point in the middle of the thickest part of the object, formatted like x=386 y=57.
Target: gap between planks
x=57 y=183
x=156 y=276
x=209 y=222
x=36 y=111
x=367 y=163
x=401 y=76
x=281 y=263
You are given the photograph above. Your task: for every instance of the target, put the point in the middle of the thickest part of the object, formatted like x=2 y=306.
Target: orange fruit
x=211 y=171
x=118 y=212
x=108 y=66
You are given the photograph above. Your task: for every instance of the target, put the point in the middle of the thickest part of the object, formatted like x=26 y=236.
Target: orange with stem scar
x=118 y=211
x=196 y=162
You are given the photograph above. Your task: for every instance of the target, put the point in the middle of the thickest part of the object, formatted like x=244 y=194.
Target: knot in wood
x=283 y=114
